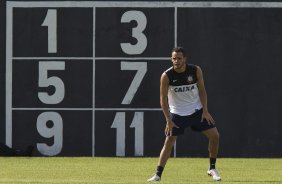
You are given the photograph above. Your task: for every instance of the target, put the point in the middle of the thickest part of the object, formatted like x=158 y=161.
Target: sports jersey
x=183 y=93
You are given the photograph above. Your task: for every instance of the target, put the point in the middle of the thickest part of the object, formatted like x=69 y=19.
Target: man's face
x=178 y=60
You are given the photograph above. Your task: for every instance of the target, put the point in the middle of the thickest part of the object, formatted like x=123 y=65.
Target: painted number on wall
x=137 y=32
x=141 y=68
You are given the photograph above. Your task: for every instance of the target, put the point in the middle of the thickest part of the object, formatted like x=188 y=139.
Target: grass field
x=97 y=170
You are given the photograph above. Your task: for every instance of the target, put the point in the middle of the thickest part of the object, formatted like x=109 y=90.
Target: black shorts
x=193 y=121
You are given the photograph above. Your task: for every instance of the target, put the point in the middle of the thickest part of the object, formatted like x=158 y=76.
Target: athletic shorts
x=193 y=121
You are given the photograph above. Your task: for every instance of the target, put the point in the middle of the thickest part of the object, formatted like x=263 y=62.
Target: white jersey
x=183 y=93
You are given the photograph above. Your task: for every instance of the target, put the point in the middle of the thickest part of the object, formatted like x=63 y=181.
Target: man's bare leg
x=166 y=150
x=213 y=136
x=164 y=156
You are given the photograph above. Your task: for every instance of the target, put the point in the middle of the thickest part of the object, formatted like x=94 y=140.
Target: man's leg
x=164 y=156
x=166 y=150
x=213 y=136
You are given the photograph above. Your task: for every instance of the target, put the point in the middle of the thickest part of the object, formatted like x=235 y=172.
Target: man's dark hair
x=179 y=49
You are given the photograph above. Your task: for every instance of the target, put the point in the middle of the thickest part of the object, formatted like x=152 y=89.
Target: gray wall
x=239 y=50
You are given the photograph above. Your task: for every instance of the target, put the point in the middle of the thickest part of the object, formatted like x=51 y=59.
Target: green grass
x=97 y=170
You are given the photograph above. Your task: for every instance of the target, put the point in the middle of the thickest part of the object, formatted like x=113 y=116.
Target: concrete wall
x=70 y=87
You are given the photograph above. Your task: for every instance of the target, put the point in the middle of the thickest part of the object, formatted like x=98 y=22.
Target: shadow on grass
x=255 y=181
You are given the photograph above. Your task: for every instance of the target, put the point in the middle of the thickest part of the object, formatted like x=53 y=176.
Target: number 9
x=55 y=131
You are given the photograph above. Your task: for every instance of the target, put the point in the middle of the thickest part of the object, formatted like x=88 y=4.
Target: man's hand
x=206 y=115
x=168 y=129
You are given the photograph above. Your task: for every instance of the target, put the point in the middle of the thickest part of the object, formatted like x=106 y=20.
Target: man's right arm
x=164 y=85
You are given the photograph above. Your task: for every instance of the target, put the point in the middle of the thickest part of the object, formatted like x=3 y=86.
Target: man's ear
x=185 y=59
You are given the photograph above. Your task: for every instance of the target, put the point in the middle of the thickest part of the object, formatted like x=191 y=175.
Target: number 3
x=137 y=32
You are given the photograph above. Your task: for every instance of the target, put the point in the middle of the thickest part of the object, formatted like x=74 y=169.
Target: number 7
x=141 y=68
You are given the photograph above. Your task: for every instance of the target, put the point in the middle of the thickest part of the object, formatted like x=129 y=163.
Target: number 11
x=138 y=124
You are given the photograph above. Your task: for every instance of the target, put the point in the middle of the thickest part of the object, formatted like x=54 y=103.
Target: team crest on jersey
x=190 y=79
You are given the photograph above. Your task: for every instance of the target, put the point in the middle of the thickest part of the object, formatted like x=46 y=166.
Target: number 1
x=51 y=22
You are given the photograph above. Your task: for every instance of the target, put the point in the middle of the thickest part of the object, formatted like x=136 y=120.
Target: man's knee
x=215 y=136
x=212 y=134
x=169 y=142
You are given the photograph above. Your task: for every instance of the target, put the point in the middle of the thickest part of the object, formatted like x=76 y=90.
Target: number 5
x=45 y=81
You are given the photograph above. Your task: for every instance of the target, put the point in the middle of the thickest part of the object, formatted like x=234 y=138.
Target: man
x=183 y=99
